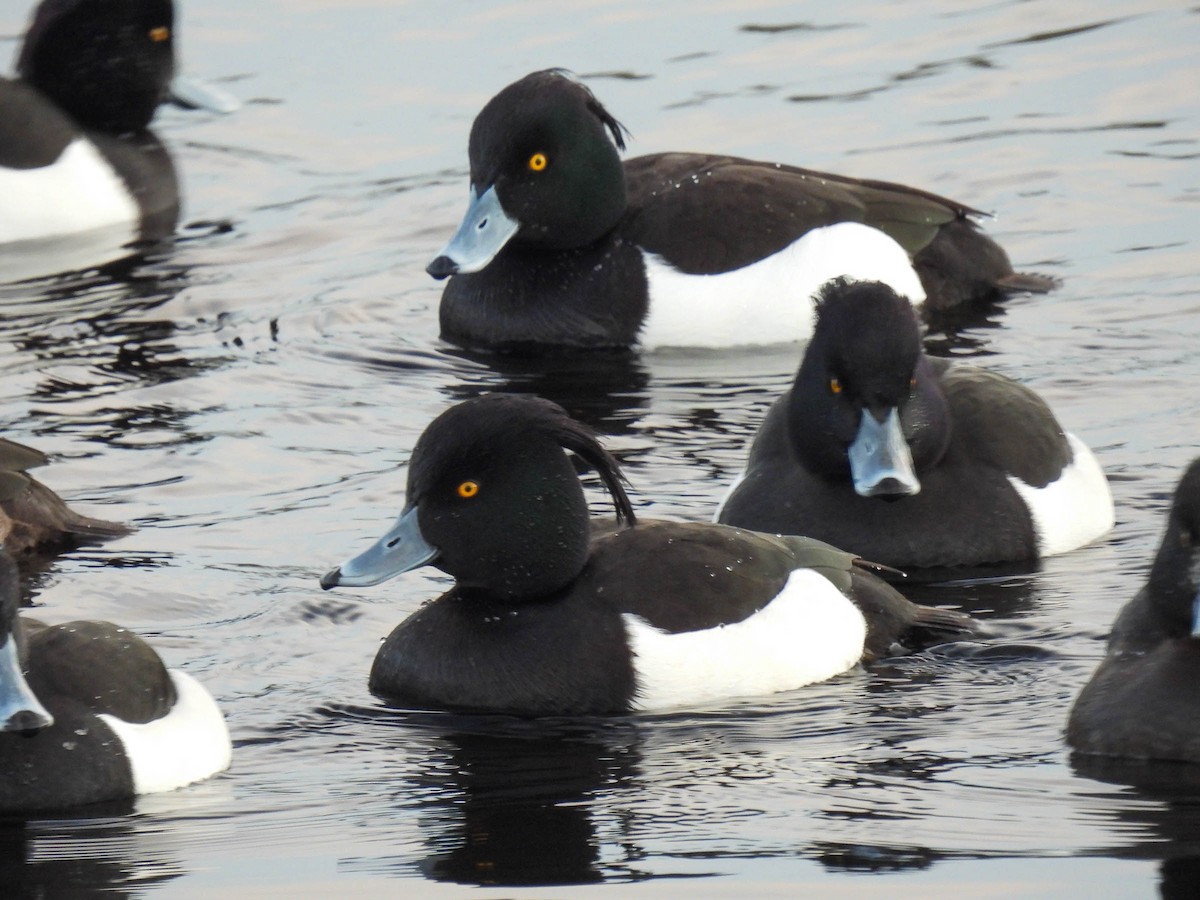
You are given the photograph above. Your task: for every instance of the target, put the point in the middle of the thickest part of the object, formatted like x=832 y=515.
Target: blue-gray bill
x=192 y=93
x=402 y=549
x=880 y=461
x=484 y=231
x=20 y=709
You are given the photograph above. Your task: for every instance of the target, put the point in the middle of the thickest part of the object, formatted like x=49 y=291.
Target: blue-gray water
x=250 y=397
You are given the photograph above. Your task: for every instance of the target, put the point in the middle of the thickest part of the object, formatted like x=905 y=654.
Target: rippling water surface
x=249 y=398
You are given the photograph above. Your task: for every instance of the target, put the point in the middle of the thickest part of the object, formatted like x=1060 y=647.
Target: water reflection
x=504 y=802
x=99 y=850
x=1163 y=800
x=603 y=389
x=514 y=802
x=1002 y=591
x=524 y=814
x=27 y=260
x=608 y=389
x=53 y=317
x=93 y=335
x=873 y=858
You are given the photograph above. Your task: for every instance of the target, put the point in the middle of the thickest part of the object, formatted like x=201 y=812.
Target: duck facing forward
x=547 y=619
x=913 y=461
x=89 y=713
x=76 y=157
x=564 y=245
x=1142 y=700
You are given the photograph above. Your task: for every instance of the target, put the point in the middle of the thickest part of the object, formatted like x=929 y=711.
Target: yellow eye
x=468 y=489
x=538 y=162
x=912 y=383
x=835 y=386
x=160 y=34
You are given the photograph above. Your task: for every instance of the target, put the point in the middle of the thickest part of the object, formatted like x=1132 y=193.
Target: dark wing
x=1002 y=423
x=707 y=214
x=690 y=576
x=722 y=199
x=102 y=666
x=33 y=133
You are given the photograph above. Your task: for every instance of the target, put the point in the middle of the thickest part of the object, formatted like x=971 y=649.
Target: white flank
x=188 y=744
x=808 y=633
x=770 y=301
x=78 y=192
x=1074 y=510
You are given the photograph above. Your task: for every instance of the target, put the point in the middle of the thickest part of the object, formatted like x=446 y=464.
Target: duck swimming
x=552 y=614
x=76 y=156
x=565 y=245
x=913 y=461
x=1142 y=701
x=34 y=519
x=89 y=713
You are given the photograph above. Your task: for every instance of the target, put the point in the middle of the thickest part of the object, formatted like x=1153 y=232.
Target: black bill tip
x=442 y=267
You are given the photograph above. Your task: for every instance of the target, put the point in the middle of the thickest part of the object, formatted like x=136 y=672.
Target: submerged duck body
x=33 y=519
x=1142 y=702
x=89 y=713
x=914 y=461
x=547 y=619
x=76 y=156
x=565 y=245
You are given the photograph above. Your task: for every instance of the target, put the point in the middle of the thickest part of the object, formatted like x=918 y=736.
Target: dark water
x=250 y=397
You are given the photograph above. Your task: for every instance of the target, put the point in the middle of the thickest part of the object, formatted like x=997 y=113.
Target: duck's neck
x=1173 y=580
x=591 y=297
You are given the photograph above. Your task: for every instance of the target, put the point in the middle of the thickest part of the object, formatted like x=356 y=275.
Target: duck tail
x=91 y=529
x=933 y=625
x=1027 y=283
x=43 y=513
